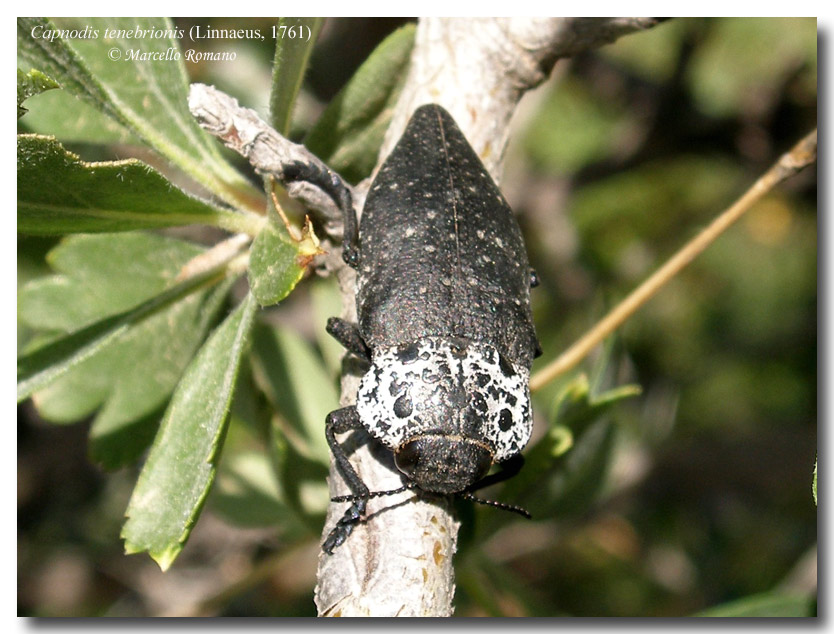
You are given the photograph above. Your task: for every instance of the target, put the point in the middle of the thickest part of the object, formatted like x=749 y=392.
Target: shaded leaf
x=182 y=463
x=131 y=379
x=30 y=84
x=246 y=492
x=292 y=55
x=294 y=379
x=117 y=75
x=84 y=287
x=349 y=133
x=42 y=366
x=766 y=604
x=565 y=469
x=59 y=193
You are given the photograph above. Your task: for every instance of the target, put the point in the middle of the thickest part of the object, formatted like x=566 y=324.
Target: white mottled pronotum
x=448 y=386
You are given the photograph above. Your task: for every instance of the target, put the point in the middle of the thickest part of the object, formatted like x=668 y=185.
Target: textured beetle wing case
x=441 y=252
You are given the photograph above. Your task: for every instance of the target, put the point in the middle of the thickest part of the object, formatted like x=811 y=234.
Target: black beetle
x=443 y=304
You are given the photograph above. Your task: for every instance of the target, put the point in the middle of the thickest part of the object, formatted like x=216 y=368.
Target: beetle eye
x=407 y=457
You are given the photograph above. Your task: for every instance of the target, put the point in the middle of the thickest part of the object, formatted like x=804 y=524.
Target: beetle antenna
x=499 y=505
x=374 y=494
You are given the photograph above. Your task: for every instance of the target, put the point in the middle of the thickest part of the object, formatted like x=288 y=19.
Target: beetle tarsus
x=330 y=183
x=337 y=422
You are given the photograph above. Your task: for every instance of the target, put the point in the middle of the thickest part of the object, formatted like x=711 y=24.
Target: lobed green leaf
x=30 y=84
x=40 y=367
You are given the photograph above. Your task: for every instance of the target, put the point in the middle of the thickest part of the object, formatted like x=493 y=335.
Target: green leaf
x=768 y=604
x=277 y=262
x=143 y=369
x=292 y=55
x=131 y=379
x=246 y=492
x=349 y=133
x=565 y=469
x=139 y=82
x=60 y=114
x=39 y=368
x=295 y=380
x=85 y=289
x=182 y=463
x=30 y=84
x=59 y=193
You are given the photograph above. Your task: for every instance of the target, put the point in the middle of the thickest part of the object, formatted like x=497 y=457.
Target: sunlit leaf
x=59 y=193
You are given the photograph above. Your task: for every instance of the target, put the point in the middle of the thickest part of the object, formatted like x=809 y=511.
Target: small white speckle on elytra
x=446 y=281
x=409 y=232
x=429 y=248
x=428 y=195
x=499 y=242
x=480 y=233
x=423 y=290
x=431 y=215
x=393 y=186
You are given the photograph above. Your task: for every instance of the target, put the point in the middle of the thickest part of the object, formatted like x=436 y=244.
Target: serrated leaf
x=116 y=74
x=42 y=366
x=30 y=84
x=84 y=287
x=58 y=113
x=767 y=604
x=277 y=262
x=349 y=133
x=59 y=193
x=182 y=463
x=131 y=379
x=292 y=55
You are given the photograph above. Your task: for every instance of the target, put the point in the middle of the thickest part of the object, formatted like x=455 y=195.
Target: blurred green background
x=705 y=497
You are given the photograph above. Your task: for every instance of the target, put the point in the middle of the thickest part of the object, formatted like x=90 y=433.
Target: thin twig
x=801 y=155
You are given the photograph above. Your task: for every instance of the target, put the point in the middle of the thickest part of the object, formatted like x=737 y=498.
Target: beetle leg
x=348 y=335
x=332 y=185
x=339 y=421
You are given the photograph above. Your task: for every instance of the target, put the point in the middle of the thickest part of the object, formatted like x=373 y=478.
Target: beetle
x=444 y=318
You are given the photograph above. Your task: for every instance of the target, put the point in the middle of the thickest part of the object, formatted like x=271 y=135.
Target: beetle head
x=443 y=464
